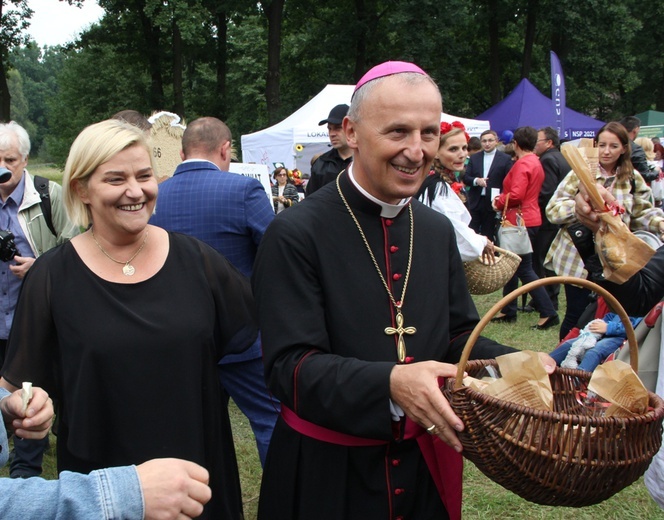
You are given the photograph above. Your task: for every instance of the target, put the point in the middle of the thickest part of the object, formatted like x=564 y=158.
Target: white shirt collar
x=201 y=160
x=493 y=152
x=386 y=210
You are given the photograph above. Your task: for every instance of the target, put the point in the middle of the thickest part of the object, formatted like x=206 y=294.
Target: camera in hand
x=5 y=175
x=7 y=246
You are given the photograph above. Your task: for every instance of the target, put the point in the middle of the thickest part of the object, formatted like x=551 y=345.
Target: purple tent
x=527 y=106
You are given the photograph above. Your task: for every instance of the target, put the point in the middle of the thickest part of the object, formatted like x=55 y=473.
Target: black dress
x=133 y=366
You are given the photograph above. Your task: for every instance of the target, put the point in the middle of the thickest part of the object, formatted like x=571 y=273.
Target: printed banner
x=558 y=95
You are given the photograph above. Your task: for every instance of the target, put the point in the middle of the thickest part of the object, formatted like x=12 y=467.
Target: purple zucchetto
x=388 y=68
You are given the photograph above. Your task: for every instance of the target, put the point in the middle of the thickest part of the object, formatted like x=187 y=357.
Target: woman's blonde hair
x=648 y=147
x=94 y=146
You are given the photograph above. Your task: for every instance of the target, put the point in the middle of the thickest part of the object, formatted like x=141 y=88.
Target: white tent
x=298 y=138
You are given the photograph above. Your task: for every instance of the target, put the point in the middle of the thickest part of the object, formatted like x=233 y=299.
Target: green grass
x=483 y=499
x=45 y=170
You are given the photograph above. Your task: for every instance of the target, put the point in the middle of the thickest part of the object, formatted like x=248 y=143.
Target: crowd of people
x=328 y=314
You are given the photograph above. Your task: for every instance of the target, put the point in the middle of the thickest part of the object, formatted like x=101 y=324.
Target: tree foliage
x=14 y=19
x=253 y=64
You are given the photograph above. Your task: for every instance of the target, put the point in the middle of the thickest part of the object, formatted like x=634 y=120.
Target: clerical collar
x=386 y=210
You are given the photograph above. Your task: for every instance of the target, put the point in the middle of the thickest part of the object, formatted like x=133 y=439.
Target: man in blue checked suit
x=229 y=212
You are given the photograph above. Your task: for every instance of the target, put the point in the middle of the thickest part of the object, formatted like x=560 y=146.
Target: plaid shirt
x=640 y=213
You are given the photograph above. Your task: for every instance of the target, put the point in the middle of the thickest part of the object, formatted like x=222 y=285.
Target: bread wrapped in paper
x=524 y=381
x=616 y=382
x=622 y=254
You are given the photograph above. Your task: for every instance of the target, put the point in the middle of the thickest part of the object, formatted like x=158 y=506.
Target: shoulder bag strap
x=507 y=201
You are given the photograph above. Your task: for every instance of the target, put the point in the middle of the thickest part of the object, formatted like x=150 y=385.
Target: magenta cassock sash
x=445 y=464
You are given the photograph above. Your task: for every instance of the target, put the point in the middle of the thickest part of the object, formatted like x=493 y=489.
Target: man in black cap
x=326 y=168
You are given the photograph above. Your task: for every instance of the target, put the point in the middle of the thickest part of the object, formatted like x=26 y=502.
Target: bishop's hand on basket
x=414 y=387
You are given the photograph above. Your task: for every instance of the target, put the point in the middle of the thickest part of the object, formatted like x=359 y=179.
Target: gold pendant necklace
x=127 y=269
x=400 y=330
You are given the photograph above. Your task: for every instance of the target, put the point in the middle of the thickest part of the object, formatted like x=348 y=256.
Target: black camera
x=7 y=246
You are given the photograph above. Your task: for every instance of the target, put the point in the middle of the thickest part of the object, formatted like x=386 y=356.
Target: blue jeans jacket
x=107 y=494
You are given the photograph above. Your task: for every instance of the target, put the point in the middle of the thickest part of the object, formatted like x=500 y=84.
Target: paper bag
x=616 y=382
x=524 y=381
x=622 y=254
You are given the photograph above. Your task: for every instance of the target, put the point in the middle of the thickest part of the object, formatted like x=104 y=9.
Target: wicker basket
x=563 y=458
x=486 y=278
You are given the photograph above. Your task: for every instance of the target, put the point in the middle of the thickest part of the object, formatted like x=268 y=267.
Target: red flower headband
x=446 y=127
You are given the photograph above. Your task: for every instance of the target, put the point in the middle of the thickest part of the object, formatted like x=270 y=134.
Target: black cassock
x=323 y=311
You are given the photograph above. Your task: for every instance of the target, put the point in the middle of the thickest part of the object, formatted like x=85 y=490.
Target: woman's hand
x=33 y=423
x=585 y=213
x=489 y=253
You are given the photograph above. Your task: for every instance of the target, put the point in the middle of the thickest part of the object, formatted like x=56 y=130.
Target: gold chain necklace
x=400 y=330
x=127 y=269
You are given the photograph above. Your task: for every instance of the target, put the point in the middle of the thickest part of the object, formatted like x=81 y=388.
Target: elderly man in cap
x=360 y=322
x=326 y=168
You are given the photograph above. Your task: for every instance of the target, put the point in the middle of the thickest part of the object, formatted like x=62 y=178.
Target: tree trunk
x=367 y=16
x=5 y=98
x=274 y=11
x=152 y=37
x=529 y=40
x=494 y=54
x=221 y=58
x=178 y=97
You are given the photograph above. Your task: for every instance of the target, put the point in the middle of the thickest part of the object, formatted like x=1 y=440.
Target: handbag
x=648 y=335
x=511 y=237
x=657 y=187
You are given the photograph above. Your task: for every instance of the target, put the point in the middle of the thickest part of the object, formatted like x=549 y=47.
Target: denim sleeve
x=4 y=447
x=108 y=494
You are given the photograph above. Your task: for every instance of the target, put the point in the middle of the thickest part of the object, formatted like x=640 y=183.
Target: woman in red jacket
x=523 y=184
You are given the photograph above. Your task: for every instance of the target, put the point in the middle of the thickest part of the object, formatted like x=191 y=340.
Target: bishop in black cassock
x=323 y=311
x=342 y=448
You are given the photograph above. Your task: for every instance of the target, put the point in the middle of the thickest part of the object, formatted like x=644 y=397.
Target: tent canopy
x=527 y=106
x=298 y=138
x=651 y=117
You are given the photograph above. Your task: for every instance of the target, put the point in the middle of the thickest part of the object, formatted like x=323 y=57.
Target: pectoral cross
x=400 y=330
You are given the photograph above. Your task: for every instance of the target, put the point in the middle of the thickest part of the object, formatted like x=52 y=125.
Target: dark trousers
x=483 y=219
x=577 y=301
x=526 y=274
x=28 y=455
x=3 y=349
x=541 y=244
x=244 y=382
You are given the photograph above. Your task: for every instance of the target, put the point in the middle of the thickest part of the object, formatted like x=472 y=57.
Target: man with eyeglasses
x=484 y=174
